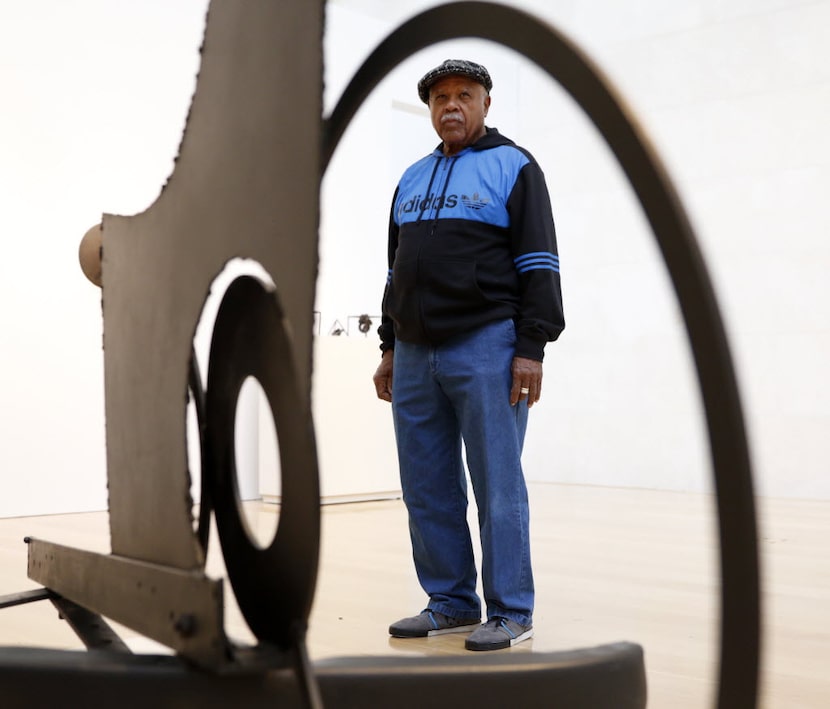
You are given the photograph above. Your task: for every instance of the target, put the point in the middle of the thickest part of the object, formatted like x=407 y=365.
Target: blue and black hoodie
x=472 y=241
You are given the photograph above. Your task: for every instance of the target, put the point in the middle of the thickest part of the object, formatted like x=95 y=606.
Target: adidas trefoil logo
x=474 y=202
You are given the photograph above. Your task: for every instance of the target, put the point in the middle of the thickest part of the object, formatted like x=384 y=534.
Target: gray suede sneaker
x=497 y=634
x=429 y=623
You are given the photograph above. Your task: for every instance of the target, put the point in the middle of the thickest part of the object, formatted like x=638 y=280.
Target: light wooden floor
x=610 y=564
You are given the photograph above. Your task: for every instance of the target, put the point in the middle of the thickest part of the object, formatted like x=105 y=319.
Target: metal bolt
x=185 y=625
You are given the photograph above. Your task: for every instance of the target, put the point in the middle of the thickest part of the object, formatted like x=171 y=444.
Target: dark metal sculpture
x=246 y=184
x=226 y=198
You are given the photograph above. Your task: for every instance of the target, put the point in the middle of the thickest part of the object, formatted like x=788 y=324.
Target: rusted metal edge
x=180 y=609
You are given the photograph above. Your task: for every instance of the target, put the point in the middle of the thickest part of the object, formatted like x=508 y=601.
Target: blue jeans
x=460 y=390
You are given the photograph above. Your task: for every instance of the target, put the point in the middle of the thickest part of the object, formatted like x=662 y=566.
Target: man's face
x=457 y=107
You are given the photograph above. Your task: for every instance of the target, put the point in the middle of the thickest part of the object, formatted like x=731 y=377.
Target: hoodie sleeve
x=533 y=238
x=387 y=328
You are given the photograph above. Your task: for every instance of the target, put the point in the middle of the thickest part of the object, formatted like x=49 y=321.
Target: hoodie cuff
x=530 y=349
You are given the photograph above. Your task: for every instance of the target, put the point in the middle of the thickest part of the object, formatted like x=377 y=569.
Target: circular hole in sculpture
x=257 y=461
x=194 y=460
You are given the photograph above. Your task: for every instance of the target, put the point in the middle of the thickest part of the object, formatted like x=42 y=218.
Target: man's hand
x=527 y=380
x=383 y=377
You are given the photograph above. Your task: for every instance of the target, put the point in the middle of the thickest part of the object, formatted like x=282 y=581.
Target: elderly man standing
x=471 y=299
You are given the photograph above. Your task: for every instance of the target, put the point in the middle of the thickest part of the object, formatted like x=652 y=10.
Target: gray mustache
x=455 y=116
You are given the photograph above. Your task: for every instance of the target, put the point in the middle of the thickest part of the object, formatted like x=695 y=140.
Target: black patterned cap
x=454 y=67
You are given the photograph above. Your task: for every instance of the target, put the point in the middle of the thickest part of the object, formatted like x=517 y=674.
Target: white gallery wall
x=735 y=96
x=95 y=95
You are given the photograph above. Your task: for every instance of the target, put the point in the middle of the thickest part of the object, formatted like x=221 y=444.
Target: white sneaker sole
x=455 y=629
x=527 y=635
x=502 y=645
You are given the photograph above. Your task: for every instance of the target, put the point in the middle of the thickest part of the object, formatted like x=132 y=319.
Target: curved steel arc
x=554 y=53
x=274 y=585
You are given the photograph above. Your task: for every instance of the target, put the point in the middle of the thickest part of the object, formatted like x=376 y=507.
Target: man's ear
x=486 y=104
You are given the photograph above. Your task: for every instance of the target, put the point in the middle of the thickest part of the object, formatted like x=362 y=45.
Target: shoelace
x=500 y=623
